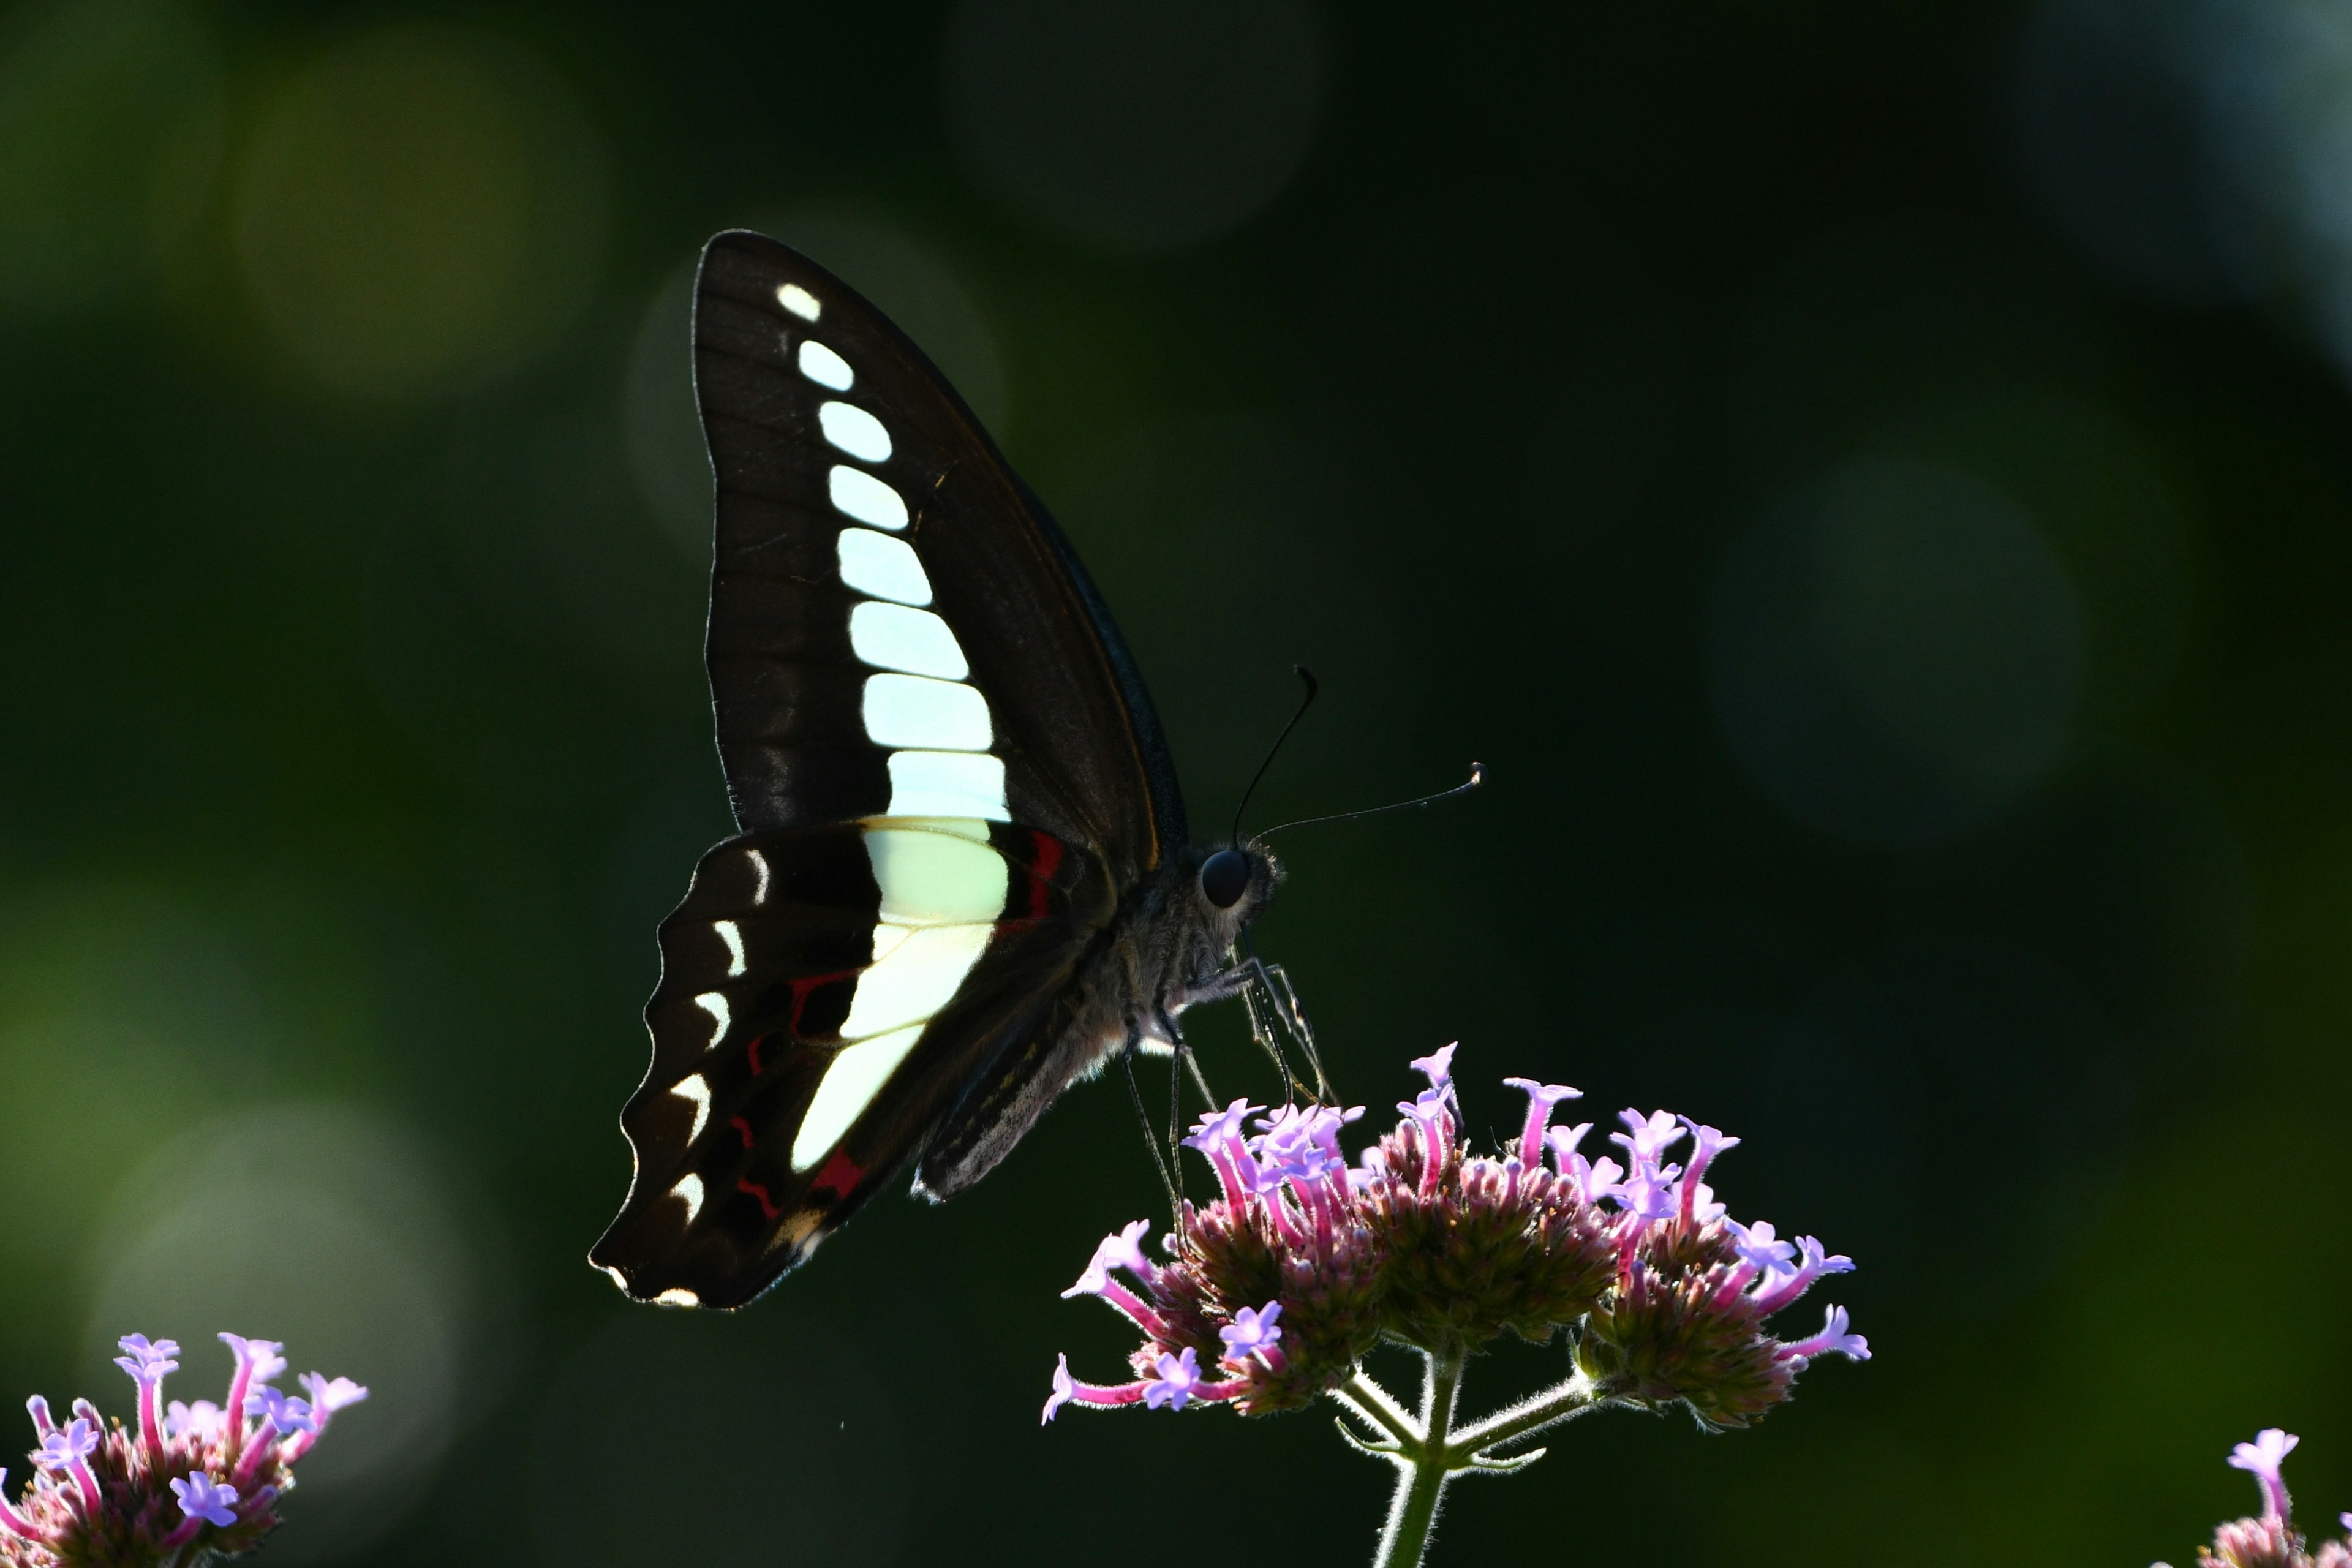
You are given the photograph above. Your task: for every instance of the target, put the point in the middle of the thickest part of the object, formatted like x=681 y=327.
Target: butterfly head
x=1235 y=884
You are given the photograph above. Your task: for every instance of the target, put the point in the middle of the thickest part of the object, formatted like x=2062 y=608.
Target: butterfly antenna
x=1313 y=687
x=1477 y=776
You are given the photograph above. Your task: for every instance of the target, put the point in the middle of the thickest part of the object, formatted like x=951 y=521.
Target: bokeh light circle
x=112 y=115
x=326 y=1228
x=1133 y=126
x=422 y=208
x=1899 y=655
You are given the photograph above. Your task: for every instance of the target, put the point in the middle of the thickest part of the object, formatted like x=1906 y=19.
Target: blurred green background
x=1874 y=482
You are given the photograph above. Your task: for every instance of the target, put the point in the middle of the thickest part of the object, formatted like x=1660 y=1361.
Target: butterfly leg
x=1243 y=977
x=1277 y=982
x=1265 y=985
x=1174 y=1035
x=1151 y=1133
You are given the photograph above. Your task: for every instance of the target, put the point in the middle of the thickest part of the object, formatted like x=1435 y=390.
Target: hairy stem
x=1424 y=1468
x=1578 y=1396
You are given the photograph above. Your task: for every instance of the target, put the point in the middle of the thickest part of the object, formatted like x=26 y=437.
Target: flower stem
x=1425 y=1467
x=1578 y=1395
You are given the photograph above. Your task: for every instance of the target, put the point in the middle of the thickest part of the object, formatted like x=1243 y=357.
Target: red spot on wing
x=753 y=1051
x=840 y=1175
x=1049 y=860
x=767 y=1204
x=743 y=1127
x=806 y=987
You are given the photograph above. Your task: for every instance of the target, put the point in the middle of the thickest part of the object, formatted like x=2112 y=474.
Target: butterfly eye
x=1224 y=877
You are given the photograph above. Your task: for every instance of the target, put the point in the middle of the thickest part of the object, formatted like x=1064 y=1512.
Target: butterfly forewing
x=862 y=511
x=944 y=767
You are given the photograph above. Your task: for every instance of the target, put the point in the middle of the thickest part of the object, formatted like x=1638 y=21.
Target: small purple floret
x=327 y=1396
x=287 y=1415
x=1180 y=1377
x=1115 y=1251
x=203 y=1497
x=2263 y=1457
x=1647 y=1137
x=1437 y=1066
x=257 y=1358
x=1834 y=1339
x=1065 y=1389
x=1763 y=1251
x=1251 y=1331
x=1649 y=1194
x=1541 y=1098
x=69 y=1446
x=147 y=1362
x=200 y=1421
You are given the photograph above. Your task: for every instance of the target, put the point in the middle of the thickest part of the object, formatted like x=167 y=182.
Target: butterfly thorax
x=1169 y=947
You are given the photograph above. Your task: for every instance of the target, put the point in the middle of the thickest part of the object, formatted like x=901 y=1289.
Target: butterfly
x=961 y=880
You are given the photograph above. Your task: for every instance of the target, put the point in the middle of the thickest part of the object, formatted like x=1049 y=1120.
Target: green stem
x=1425 y=1467
x=1376 y=1407
x=1578 y=1396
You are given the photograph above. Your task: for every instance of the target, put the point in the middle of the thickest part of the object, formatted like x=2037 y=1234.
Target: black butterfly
x=962 y=881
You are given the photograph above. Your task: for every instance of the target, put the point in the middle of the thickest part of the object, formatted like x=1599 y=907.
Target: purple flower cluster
x=182 y=1481
x=1277 y=1288
x=2270 y=1541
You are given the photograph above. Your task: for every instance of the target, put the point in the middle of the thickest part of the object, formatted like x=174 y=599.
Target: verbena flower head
x=179 y=1481
x=1277 y=1289
x=2271 y=1540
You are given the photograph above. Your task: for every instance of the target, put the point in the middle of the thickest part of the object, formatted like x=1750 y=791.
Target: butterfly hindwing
x=826 y=994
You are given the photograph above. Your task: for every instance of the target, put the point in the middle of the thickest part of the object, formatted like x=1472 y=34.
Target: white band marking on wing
x=732 y=935
x=938 y=873
x=850 y=1084
x=823 y=366
x=948 y=783
x=854 y=430
x=689 y=1188
x=884 y=567
x=858 y=494
x=759 y=863
x=898 y=636
x=910 y=711
x=918 y=978
x=678 y=1296
x=798 y=301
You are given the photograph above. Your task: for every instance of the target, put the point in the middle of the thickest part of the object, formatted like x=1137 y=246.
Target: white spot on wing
x=858 y=494
x=732 y=935
x=856 y=1075
x=932 y=715
x=854 y=430
x=798 y=301
x=696 y=1092
x=884 y=567
x=715 y=1004
x=689 y=1188
x=759 y=863
x=948 y=783
x=895 y=637
x=678 y=1296
x=823 y=366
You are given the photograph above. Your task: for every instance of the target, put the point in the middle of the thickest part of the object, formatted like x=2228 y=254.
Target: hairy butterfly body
x=960 y=880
